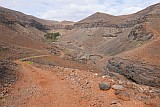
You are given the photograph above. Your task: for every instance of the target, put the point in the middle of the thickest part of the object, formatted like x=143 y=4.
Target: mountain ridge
x=135 y=37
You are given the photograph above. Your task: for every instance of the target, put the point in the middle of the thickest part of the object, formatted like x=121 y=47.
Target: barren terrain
x=100 y=61
x=60 y=86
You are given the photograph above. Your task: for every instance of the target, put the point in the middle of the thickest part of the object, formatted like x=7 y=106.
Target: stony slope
x=10 y=16
x=20 y=29
x=142 y=63
x=102 y=31
x=132 y=38
x=128 y=45
x=49 y=86
x=23 y=34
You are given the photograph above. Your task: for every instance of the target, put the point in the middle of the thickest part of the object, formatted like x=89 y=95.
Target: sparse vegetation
x=2 y=49
x=25 y=60
x=29 y=62
x=53 y=37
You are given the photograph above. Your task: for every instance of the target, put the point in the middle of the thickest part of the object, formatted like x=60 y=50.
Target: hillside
x=101 y=31
x=24 y=34
x=133 y=37
x=20 y=35
x=102 y=60
x=98 y=20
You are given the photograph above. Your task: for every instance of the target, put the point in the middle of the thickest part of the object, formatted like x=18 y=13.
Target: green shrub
x=52 y=36
x=57 y=34
x=29 y=62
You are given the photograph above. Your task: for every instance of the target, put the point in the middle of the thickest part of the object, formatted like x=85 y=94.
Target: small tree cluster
x=52 y=36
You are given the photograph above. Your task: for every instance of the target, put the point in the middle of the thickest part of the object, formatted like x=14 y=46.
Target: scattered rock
x=122 y=95
x=143 y=97
x=7 y=73
x=104 y=86
x=148 y=102
x=95 y=73
x=1 y=95
x=118 y=87
x=114 y=102
x=136 y=71
x=140 y=33
x=120 y=82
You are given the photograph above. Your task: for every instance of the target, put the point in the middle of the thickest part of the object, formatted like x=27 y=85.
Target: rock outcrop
x=137 y=71
x=139 y=33
x=7 y=73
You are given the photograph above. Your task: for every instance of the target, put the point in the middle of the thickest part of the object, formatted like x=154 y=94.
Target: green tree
x=52 y=36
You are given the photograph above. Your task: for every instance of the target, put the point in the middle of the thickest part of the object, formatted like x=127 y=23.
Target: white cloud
x=75 y=9
x=130 y=10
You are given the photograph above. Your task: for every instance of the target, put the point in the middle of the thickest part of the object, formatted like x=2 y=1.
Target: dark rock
x=139 y=33
x=108 y=35
x=104 y=86
x=143 y=98
x=3 y=48
x=122 y=95
x=37 y=25
x=106 y=23
x=7 y=73
x=137 y=71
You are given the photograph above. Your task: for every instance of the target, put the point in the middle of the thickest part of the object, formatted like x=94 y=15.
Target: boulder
x=104 y=86
x=122 y=95
x=118 y=87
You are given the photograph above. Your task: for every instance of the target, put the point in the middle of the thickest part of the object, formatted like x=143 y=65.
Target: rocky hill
x=10 y=17
x=20 y=31
x=100 y=61
x=23 y=34
x=101 y=30
x=133 y=37
x=98 y=20
x=96 y=39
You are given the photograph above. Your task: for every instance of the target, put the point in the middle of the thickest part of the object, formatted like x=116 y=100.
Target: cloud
x=75 y=9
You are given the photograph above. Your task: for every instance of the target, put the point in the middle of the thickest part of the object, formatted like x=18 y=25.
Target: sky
x=75 y=10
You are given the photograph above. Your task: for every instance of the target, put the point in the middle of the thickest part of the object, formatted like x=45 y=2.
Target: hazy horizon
x=71 y=10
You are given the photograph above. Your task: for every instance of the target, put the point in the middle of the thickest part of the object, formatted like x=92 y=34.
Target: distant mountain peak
x=100 y=17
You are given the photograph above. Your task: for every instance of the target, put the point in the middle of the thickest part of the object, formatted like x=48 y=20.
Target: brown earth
x=133 y=37
x=68 y=73
x=65 y=87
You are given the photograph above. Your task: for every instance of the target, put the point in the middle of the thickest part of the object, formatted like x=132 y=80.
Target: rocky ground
x=70 y=72
x=42 y=84
x=137 y=71
x=8 y=76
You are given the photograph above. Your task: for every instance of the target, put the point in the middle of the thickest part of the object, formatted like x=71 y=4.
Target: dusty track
x=38 y=87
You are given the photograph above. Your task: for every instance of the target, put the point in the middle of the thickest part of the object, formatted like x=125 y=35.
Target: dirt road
x=40 y=88
x=62 y=87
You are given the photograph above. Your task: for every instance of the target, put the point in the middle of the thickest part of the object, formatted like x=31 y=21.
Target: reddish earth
x=64 y=87
x=68 y=73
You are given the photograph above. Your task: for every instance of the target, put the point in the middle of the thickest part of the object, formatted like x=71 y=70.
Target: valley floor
x=67 y=87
